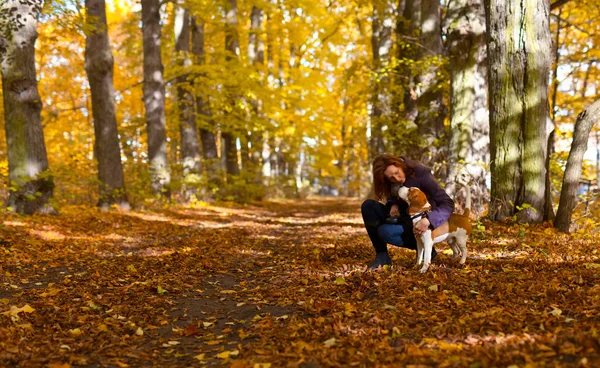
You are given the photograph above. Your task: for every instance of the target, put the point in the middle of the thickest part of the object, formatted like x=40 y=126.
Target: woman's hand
x=421 y=226
x=394 y=211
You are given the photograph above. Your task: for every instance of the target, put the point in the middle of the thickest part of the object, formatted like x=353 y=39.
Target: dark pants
x=374 y=215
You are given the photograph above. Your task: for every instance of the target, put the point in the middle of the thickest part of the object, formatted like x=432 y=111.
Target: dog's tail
x=467 y=212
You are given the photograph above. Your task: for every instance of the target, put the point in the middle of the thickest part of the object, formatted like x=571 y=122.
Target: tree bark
x=568 y=195
x=465 y=30
x=99 y=69
x=31 y=187
x=154 y=98
x=207 y=135
x=190 y=150
x=230 y=150
x=431 y=108
x=381 y=42
x=518 y=88
x=232 y=51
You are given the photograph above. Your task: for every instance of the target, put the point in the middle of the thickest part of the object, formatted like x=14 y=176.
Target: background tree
x=31 y=186
x=154 y=98
x=469 y=126
x=190 y=148
x=432 y=109
x=99 y=69
x=230 y=151
x=585 y=121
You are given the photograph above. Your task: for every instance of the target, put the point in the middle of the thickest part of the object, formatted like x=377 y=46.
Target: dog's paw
x=424 y=269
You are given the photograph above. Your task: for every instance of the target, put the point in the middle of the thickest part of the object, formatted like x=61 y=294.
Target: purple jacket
x=441 y=203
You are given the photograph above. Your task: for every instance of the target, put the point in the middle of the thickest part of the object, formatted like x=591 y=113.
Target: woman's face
x=394 y=174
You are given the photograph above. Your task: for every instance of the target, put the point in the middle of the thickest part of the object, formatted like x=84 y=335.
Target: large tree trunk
x=465 y=29
x=568 y=195
x=31 y=187
x=99 y=69
x=431 y=107
x=518 y=87
x=190 y=150
x=381 y=42
x=232 y=51
x=154 y=98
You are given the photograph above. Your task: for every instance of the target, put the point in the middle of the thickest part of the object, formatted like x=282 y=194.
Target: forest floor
x=285 y=284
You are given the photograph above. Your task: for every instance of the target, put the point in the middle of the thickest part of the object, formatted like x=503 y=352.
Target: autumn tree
x=405 y=108
x=232 y=50
x=381 y=44
x=99 y=69
x=568 y=196
x=189 y=146
x=31 y=186
x=154 y=97
x=469 y=126
x=432 y=110
x=203 y=111
x=518 y=98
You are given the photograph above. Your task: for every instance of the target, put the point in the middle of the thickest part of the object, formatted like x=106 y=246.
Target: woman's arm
x=444 y=205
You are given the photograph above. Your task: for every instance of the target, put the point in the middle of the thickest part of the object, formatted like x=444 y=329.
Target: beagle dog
x=455 y=231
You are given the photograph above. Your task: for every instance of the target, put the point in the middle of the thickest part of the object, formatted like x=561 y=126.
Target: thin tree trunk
x=190 y=150
x=518 y=84
x=232 y=51
x=230 y=149
x=431 y=108
x=31 y=186
x=406 y=26
x=99 y=69
x=548 y=208
x=465 y=29
x=568 y=195
x=207 y=135
x=256 y=58
x=154 y=98
x=381 y=42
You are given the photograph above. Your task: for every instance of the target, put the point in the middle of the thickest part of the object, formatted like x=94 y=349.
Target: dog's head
x=416 y=199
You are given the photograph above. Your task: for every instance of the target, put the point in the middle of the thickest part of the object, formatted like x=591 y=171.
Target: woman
x=387 y=170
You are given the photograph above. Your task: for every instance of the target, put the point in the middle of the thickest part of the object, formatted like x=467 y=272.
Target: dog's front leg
x=427 y=247
x=419 y=251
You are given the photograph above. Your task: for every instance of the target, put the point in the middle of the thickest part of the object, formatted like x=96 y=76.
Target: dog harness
x=420 y=214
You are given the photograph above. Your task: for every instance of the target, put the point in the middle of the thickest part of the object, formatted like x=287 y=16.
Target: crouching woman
x=388 y=170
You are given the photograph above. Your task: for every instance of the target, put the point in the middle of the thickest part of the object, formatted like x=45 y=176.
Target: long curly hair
x=382 y=186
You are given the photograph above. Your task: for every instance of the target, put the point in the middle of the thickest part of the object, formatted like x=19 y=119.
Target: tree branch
x=558 y=4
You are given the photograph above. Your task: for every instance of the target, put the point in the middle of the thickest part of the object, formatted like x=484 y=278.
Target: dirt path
x=284 y=284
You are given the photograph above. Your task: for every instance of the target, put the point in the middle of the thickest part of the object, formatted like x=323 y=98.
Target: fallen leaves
x=266 y=298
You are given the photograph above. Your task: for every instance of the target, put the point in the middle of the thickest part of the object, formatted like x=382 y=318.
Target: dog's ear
x=394 y=190
x=418 y=201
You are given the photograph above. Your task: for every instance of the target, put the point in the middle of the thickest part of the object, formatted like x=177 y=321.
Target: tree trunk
x=190 y=150
x=431 y=108
x=518 y=87
x=207 y=135
x=381 y=42
x=465 y=29
x=568 y=195
x=154 y=98
x=99 y=69
x=31 y=187
x=256 y=58
x=232 y=51
x=405 y=98
x=231 y=152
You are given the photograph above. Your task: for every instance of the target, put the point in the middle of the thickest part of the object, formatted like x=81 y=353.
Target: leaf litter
x=285 y=284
